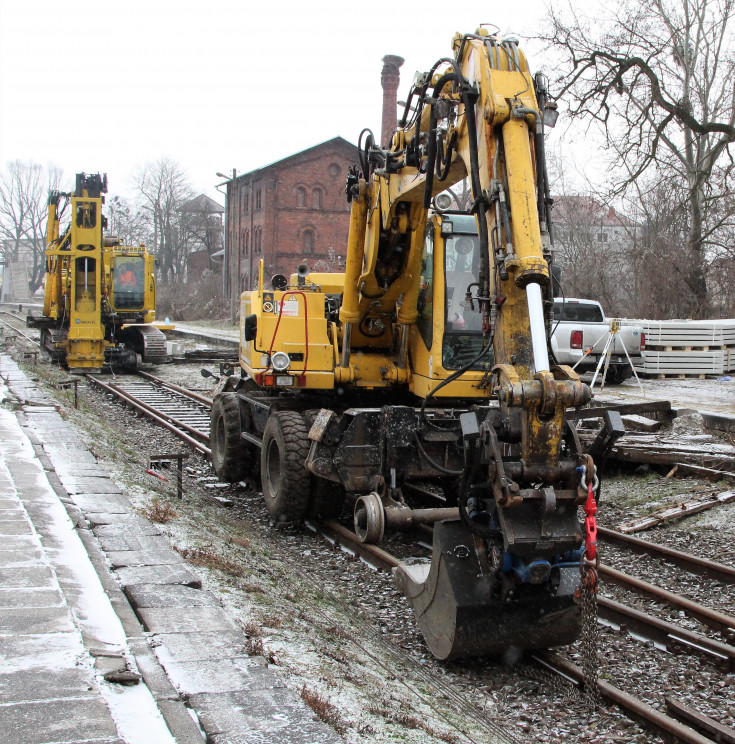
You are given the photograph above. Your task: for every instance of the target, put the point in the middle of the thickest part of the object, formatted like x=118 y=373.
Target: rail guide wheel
x=369 y=519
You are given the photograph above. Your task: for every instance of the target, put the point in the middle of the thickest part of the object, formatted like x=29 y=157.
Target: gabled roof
x=586 y=209
x=340 y=142
x=203 y=204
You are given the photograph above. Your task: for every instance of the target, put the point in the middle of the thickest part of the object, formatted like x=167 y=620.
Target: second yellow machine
x=419 y=384
x=100 y=296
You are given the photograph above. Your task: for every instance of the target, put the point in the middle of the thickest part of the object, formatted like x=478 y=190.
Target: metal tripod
x=609 y=339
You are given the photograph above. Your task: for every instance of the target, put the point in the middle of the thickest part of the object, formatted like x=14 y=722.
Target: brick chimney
x=389 y=79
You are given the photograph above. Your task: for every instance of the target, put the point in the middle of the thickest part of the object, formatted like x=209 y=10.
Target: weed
x=255 y=647
x=159 y=511
x=210 y=559
x=273 y=621
x=407 y=721
x=251 y=628
x=240 y=540
x=324 y=710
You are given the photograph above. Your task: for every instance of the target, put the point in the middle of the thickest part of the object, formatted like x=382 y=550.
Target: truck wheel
x=327 y=500
x=229 y=455
x=617 y=374
x=286 y=481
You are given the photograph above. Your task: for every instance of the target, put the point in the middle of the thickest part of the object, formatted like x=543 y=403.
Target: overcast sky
x=106 y=86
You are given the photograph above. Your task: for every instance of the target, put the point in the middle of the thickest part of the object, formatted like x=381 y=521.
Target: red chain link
x=590 y=525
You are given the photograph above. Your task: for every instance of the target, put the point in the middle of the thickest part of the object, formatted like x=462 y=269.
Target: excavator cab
x=128 y=287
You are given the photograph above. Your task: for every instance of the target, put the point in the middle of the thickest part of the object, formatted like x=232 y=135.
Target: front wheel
x=229 y=453
x=286 y=481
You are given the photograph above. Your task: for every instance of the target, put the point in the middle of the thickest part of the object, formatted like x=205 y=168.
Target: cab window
x=425 y=305
x=128 y=287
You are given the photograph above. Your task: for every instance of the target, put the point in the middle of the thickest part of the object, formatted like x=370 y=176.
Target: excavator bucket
x=460 y=612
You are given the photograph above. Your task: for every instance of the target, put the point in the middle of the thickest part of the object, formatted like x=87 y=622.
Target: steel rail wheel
x=286 y=481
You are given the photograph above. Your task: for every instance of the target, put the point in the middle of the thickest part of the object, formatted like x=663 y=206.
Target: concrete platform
x=105 y=633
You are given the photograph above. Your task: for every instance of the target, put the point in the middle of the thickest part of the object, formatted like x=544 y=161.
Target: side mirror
x=251 y=327
x=206 y=373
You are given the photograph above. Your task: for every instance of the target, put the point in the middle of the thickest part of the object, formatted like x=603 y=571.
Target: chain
x=590 y=634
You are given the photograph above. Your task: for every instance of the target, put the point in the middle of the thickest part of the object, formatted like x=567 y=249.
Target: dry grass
x=159 y=511
x=324 y=710
x=406 y=721
x=241 y=541
x=256 y=647
x=251 y=628
x=209 y=559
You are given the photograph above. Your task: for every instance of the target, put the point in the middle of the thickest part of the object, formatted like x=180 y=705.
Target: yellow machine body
x=428 y=361
x=100 y=296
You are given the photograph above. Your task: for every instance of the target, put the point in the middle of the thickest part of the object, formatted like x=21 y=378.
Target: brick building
x=290 y=212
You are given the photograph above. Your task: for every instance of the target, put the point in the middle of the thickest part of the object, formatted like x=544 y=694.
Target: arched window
x=316 y=197
x=308 y=241
x=300 y=196
x=244 y=237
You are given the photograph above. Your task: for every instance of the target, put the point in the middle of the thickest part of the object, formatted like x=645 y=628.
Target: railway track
x=186 y=414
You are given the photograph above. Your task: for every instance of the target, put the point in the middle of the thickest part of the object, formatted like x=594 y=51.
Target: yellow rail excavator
x=419 y=385
x=100 y=296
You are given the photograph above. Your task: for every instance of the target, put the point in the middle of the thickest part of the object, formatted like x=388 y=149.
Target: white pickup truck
x=581 y=333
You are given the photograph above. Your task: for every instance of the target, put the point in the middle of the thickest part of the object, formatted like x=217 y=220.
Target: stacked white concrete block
x=688 y=347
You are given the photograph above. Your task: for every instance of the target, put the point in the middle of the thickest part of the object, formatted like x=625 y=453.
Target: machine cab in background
x=128 y=288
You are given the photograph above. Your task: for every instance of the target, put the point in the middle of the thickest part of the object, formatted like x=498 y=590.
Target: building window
x=300 y=197
x=258 y=203
x=245 y=201
x=308 y=241
x=333 y=170
x=246 y=242
x=316 y=198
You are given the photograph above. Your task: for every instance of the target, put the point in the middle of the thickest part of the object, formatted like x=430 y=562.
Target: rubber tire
x=285 y=479
x=229 y=454
x=327 y=500
x=618 y=374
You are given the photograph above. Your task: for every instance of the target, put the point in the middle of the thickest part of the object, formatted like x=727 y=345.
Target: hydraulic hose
x=469 y=99
x=431 y=154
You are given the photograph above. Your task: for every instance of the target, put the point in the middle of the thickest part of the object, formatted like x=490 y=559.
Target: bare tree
x=24 y=190
x=164 y=189
x=592 y=247
x=656 y=75
x=125 y=221
x=202 y=229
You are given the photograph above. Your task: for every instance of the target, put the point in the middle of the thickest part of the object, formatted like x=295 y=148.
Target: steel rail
x=712 y=618
x=628 y=702
x=195 y=431
x=666 y=633
x=203 y=399
x=375 y=556
x=687 y=561
x=332 y=530
x=17 y=330
x=152 y=414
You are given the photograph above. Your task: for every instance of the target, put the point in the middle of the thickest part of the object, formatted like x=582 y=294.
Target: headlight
x=280 y=361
